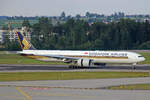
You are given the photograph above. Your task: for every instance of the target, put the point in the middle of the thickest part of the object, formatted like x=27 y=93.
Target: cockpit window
x=140 y=56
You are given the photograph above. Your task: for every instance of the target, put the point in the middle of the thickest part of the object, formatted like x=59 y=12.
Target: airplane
x=78 y=58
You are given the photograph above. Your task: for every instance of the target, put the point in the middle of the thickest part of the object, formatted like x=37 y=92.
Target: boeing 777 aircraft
x=78 y=58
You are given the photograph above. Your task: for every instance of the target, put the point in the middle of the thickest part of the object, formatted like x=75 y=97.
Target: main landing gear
x=76 y=67
x=73 y=67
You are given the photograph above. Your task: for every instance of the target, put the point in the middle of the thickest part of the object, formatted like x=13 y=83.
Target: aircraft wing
x=59 y=57
x=52 y=56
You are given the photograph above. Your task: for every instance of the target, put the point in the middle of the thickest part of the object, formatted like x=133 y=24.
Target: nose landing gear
x=134 y=66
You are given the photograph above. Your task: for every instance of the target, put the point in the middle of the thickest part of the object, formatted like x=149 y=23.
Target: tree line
x=77 y=34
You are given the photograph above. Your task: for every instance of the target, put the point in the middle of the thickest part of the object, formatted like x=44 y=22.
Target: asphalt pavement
x=92 y=89
x=50 y=68
x=72 y=90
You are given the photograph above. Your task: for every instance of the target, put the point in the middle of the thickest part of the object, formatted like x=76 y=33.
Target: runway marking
x=23 y=93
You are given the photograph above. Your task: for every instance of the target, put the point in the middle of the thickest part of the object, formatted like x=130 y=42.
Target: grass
x=17 y=59
x=131 y=87
x=28 y=76
x=147 y=57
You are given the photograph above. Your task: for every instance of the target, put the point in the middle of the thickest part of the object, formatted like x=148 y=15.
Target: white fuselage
x=95 y=56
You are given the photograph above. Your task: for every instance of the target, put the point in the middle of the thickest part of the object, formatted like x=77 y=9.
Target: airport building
x=2 y=33
x=11 y=35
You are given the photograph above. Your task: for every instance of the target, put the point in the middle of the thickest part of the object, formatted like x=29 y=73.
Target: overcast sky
x=72 y=7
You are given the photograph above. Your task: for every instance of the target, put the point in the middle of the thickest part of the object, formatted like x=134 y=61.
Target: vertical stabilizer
x=24 y=43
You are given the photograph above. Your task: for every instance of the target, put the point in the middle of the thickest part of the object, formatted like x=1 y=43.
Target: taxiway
x=73 y=90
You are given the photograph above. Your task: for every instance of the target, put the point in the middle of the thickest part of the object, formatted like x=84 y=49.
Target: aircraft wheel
x=133 y=67
x=71 y=66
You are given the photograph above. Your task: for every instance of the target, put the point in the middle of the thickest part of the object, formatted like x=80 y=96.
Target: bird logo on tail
x=25 y=44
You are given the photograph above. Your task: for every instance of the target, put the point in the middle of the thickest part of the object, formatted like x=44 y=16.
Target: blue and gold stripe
x=25 y=45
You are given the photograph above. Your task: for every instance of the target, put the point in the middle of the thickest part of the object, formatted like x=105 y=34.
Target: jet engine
x=84 y=62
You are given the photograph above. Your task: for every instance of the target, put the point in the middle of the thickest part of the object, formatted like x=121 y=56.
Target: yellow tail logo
x=25 y=45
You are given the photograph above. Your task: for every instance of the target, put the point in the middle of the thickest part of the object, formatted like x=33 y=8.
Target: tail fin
x=25 y=44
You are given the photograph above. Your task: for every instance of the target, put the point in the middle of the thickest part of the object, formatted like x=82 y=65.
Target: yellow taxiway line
x=23 y=93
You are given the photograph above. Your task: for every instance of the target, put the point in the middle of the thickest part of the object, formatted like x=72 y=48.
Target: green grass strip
x=17 y=59
x=147 y=57
x=131 y=87
x=27 y=76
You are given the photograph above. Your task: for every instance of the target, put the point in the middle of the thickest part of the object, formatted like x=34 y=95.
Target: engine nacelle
x=84 y=62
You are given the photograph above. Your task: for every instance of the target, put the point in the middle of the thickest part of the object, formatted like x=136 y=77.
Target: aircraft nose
x=142 y=59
